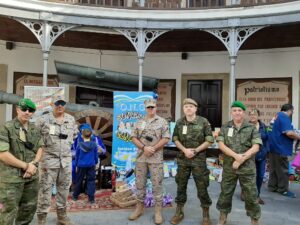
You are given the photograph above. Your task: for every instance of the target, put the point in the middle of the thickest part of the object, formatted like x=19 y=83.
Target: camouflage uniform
x=198 y=131
x=156 y=128
x=56 y=163
x=18 y=196
x=241 y=140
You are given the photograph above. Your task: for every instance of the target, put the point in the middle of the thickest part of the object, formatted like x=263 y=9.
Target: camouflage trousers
x=248 y=186
x=18 y=202
x=201 y=178
x=61 y=177
x=141 y=173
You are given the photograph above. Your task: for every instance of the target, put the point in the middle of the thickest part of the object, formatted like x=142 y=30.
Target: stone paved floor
x=278 y=210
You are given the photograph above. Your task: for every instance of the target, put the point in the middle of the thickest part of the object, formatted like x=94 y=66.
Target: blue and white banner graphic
x=128 y=108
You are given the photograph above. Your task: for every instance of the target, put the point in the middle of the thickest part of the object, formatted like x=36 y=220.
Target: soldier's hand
x=30 y=171
x=149 y=150
x=239 y=158
x=27 y=175
x=235 y=165
x=189 y=153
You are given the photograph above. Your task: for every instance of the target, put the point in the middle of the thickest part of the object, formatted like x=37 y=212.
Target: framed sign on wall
x=265 y=94
x=166 y=91
x=22 y=79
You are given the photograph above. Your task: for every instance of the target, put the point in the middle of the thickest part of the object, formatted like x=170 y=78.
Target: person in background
x=20 y=151
x=150 y=135
x=239 y=141
x=260 y=157
x=281 y=147
x=192 y=136
x=85 y=161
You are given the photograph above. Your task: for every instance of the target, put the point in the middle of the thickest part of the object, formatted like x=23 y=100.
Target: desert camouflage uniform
x=18 y=196
x=198 y=131
x=241 y=140
x=56 y=163
x=156 y=128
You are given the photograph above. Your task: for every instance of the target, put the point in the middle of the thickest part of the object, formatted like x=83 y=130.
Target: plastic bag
x=296 y=161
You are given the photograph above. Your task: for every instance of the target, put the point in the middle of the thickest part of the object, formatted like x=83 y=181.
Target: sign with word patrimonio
x=267 y=95
x=128 y=108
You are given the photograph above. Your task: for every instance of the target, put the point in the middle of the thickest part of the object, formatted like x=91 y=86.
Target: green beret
x=26 y=102
x=238 y=104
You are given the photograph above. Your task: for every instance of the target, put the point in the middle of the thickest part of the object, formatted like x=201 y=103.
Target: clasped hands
x=148 y=150
x=189 y=152
x=239 y=160
x=30 y=170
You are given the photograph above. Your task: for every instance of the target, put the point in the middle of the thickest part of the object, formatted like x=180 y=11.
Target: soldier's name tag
x=52 y=130
x=184 y=130
x=230 y=132
x=143 y=125
x=22 y=135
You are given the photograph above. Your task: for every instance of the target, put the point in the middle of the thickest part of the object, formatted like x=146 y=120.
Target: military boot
x=41 y=218
x=62 y=218
x=179 y=215
x=206 y=219
x=158 y=219
x=222 y=219
x=254 y=221
x=139 y=210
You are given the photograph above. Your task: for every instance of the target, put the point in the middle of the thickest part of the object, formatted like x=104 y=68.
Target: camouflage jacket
x=198 y=131
x=58 y=150
x=149 y=132
x=241 y=141
x=10 y=141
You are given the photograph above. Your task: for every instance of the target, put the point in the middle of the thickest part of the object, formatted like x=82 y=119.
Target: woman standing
x=260 y=158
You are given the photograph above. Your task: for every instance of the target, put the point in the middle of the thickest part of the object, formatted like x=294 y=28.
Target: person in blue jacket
x=101 y=149
x=260 y=158
x=281 y=148
x=86 y=158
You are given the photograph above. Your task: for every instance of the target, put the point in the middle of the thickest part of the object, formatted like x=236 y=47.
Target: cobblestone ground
x=278 y=210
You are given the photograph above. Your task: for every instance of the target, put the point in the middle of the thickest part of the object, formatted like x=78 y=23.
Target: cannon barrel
x=9 y=98
x=102 y=79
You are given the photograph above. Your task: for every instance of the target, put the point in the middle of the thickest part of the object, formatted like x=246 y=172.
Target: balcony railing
x=169 y=4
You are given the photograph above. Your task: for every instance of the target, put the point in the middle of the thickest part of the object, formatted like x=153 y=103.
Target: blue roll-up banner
x=128 y=108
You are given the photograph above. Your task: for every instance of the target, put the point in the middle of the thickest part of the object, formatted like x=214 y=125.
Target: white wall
x=250 y=64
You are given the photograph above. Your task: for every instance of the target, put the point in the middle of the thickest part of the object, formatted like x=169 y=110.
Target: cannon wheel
x=102 y=124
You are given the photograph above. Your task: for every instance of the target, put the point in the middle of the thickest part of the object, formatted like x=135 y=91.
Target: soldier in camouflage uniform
x=20 y=152
x=239 y=141
x=58 y=130
x=192 y=136
x=150 y=135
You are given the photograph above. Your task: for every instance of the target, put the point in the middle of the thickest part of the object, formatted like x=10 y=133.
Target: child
x=101 y=150
x=86 y=159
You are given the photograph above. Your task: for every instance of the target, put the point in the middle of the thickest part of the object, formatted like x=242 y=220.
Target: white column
x=141 y=65
x=232 y=91
x=45 y=69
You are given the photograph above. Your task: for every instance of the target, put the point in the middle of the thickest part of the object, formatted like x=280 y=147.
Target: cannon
x=102 y=79
x=100 y=118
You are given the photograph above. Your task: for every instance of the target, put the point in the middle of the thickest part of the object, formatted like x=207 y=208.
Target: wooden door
x=208 y=95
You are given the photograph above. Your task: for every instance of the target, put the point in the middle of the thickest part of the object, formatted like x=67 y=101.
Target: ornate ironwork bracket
x=45 y=32
x=141 y=38
x=233 y=38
